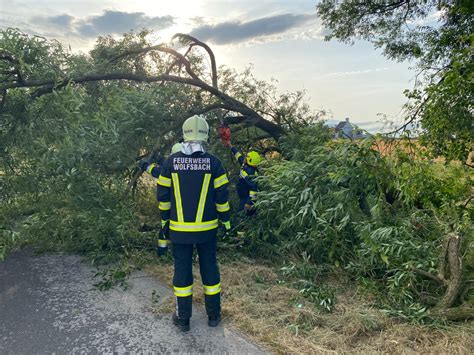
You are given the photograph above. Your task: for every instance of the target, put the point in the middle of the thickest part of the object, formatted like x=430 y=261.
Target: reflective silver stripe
x=202 y=198
x=221 y=180
x=193 y=226
x=252 y=194
x=164 y=206
x=164 y=181
x=212 y=290
x=223 y=207
x=183 y=291
x=177 y=197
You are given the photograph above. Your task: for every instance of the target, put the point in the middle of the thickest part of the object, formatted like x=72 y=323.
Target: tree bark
x=454 y=314
x=455 y=271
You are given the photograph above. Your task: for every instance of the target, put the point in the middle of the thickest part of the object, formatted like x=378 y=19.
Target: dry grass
x=273 y=314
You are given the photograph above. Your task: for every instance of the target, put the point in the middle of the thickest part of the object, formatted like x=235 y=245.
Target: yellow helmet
x=176 y=148
x=253 y=158
x=195 y=129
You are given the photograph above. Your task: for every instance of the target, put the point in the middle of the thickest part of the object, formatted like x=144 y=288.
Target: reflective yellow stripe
x=243 y=174
x=164 y=206
x=193 y=226
x=222 y=207
x=150 y=168
x=164 y=221
x=183 y=291
x=202 y=199
x=221 y=180
x=252 y=194
x=212 y=290
x=163 y=243
x=164 y=181
x=177 y=197
x=237 y=155
x=226 y=224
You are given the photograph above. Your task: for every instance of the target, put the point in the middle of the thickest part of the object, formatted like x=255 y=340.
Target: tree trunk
x=454 y=314
x=454 y=266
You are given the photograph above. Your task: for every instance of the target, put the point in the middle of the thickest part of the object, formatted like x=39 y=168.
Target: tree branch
x=431 y=276
x=254 y=118
x=4 y=97
x=455 y=271
x=197 y=42
x=234 y=119
x=16 y=65
x=160 y=48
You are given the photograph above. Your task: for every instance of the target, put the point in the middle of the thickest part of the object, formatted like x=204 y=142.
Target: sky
x=283 y=40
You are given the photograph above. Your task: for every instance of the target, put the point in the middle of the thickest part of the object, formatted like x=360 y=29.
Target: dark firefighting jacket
x=154 y=169
x=193 y=196
x=246 y=185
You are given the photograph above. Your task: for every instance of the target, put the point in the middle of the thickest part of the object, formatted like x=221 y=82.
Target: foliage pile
x=384 y=219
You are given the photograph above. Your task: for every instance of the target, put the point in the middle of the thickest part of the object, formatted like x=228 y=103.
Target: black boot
x=182 y=324
x=214 y=321
x=160 y=251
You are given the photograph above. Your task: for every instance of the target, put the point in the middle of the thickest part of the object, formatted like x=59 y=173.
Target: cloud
x=238 y=31
x=117 y=22
x=109 y=22
x=61 y=21
x=353 y=72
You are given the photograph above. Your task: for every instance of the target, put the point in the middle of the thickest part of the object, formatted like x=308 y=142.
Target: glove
x=226 y=235
x=162 y=243
x=165 y=227
x=143 y=164
x=249 y=209
x=224 y=134
x=163 y=238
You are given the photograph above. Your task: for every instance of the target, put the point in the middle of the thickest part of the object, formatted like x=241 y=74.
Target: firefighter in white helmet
x=192 y=190
x=153 y=167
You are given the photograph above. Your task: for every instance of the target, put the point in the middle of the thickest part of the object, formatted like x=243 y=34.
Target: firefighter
x=192 y=190
x=246 y=185
x=154 y=169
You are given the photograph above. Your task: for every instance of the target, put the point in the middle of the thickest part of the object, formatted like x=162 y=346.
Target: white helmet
x=176 y=148
x=195 y=129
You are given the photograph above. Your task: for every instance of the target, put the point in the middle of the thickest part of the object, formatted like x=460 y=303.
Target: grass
x=261 y=302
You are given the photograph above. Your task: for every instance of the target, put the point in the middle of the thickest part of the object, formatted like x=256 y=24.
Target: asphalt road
x=48 y=305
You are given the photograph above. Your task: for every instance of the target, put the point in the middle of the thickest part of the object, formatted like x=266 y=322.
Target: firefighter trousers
x=183 y=277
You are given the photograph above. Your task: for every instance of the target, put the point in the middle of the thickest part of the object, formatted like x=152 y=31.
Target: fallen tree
x=13 y=77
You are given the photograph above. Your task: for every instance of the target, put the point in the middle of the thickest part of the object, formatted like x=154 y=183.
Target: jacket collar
x=192 y=147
